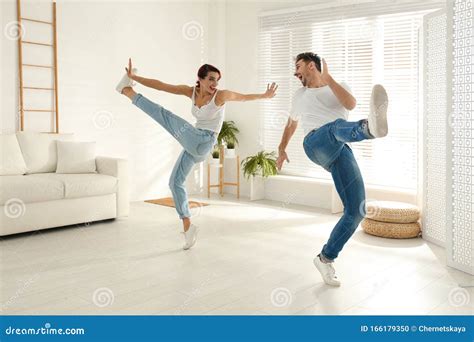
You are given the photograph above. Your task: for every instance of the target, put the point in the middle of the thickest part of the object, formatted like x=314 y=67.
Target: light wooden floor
x=251 y=258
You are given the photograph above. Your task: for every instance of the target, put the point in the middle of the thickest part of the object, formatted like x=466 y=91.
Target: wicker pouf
x=388 y=211
x=391 y=230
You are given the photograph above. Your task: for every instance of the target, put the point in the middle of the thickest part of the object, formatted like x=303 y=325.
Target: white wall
x=95 y=39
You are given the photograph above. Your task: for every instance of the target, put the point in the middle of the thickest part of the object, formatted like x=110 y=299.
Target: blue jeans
x=326 y=146
x=197 y=144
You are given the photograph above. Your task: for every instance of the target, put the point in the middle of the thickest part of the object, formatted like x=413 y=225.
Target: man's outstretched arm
x=290 y=129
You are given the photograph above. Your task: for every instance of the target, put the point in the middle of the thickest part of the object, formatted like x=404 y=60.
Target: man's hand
x=325 y=72
x=282 y=156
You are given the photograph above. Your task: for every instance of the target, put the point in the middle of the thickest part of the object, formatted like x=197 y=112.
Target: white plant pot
x=257 y=188
x=214 y=161
x=230 y=153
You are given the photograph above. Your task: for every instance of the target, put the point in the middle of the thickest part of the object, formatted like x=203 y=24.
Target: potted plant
x=228 y=135
x=257 y=168
x=230 y=151
x=215 y=156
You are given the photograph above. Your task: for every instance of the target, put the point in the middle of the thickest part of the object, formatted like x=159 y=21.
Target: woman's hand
x=271 y=91
x=129 y=70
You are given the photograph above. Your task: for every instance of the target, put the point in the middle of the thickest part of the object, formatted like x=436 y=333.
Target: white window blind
x=361 y=51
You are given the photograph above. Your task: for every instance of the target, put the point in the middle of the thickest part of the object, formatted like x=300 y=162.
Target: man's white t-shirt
x=317 y=107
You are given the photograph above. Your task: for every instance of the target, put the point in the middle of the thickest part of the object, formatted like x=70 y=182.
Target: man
x=322 y=104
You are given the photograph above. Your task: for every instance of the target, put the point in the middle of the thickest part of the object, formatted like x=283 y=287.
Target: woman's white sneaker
x=190 y=236
x=125 y=82
x=327 y=272
x=377 y=119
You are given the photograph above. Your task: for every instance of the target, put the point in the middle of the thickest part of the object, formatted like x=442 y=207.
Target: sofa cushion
x=76 y=157
x=39 y=150
x=28 y=189
x=11 y=159
x=83 y=185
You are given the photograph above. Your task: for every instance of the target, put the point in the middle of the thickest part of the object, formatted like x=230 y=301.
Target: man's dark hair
x=310 y=57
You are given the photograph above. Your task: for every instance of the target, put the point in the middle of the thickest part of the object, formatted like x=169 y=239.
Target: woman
x=208 y=105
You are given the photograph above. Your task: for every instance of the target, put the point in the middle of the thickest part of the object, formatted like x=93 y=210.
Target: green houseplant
x=228 y=136
x=228 y=133
x=257 y=168
x=262 y=164
x=230 y=150
x=215 y=155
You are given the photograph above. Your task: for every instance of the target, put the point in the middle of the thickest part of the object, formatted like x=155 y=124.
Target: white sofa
x=33 y=196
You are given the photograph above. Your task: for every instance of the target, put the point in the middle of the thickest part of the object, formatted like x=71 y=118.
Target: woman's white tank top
x=209 y=116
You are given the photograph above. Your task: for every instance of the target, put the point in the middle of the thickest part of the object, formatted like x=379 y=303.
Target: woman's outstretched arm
x=226 y=95
x=158 y=85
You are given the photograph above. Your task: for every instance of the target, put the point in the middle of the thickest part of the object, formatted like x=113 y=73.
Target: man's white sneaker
x=378 y=125
x=327 y=272
x=190 y=236
x=125 y=82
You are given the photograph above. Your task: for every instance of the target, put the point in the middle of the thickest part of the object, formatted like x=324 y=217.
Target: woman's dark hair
x=310 y=57
x=204 y=70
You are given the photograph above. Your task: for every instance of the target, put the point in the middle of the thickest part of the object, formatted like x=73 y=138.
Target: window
x=361 y=51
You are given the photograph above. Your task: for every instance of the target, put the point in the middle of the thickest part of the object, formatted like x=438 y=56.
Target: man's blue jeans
x=326 y=146
x=197 y=144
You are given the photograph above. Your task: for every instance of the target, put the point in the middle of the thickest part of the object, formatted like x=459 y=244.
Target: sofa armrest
x=117 y=167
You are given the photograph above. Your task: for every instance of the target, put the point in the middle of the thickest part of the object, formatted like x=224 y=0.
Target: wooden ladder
x=21 y=65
